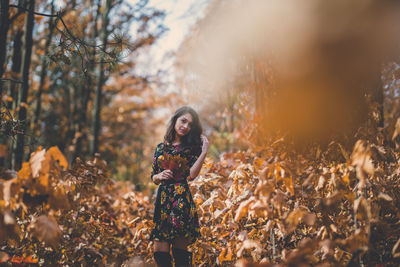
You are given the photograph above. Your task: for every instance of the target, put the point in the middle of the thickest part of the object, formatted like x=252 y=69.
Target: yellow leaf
x=38 y=19
x=25 y=172
x=58 y=156
x=258 y=163
x=346 y=179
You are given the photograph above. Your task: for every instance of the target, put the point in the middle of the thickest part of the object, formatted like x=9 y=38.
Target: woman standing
x=176 y=161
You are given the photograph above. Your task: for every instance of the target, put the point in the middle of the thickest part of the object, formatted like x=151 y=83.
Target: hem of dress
x=190 y=240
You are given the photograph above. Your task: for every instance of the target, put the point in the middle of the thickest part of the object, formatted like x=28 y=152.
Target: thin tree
x=44 y=67
x=4 y=24
x=86 y=87
x=18 y=154
x=100 y=82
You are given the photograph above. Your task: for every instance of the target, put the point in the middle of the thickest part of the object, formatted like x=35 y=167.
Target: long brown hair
x=192 y=139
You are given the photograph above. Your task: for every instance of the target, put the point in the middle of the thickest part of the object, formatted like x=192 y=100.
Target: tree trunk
x=86 y=88
x=378 y=97
x=69 y=110
x=23 y=90
x=44 y=68
x=12 y=86
x=4 y=23
x=97 y=103
x=257 y=97
x=15 y=69
x=16 y=63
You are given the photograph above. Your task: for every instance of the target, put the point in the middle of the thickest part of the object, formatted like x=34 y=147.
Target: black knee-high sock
x=163 y=259
x=183 y=258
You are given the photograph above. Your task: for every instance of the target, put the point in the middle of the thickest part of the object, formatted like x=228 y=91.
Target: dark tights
x=182 y=257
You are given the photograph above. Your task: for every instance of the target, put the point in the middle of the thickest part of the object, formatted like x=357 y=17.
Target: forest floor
x=264 y=208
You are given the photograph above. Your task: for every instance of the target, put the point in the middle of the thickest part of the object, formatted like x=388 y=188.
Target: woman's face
x=183 y=124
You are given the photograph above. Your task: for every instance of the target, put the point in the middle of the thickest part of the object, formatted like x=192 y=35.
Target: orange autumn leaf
x=225 y=255
x=17 y=259
x=3 y=151
x=288 y=181
x=30 y=259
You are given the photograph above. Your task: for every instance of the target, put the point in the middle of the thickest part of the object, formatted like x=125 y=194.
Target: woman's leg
x=161 y=246
x=180 y=243
x=182 y=257
x=161 y=254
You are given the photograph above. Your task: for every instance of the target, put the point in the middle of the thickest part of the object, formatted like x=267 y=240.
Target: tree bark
x=23 y=90
x=13 y=87
x=15 y=68
x=378 y=97
x=87 y=88
x=100 y=82
x=44 y=68
x=4 y=24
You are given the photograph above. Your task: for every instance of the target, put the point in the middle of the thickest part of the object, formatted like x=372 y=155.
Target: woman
x=177 y=160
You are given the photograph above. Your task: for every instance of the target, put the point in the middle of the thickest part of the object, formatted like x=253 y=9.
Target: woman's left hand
x=204 y=140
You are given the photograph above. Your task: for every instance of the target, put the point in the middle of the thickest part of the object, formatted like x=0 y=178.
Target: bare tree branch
x=10 y=80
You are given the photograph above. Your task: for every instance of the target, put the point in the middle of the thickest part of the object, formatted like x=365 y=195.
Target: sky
x=181 y=15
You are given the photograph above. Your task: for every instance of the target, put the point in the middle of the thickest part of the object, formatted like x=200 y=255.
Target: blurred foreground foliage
x=267 y=206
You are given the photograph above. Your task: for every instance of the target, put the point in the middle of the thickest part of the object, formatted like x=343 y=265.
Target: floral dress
x=175 y=212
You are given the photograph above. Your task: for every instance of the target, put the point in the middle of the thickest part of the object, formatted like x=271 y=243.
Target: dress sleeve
x=155 y=167
x=194 y=155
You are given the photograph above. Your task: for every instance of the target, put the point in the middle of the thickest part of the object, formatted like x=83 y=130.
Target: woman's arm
x=157 y=176
x=195 y=169
x=164 y=175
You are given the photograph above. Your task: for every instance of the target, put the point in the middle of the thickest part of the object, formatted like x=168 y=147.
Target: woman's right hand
x=162 y=176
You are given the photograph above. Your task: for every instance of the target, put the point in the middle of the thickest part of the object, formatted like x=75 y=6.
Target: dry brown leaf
x=3 y=151
x=288 y=181
x=46 y=229
x=396 y=129
x=395 y=252
x=362 y=207
x=4 y=257
x=243 y=208
x=385 y=197
x=250 y=244
x=309 y=219
x=294 y=218
x=361 y=159
x=36 y=161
